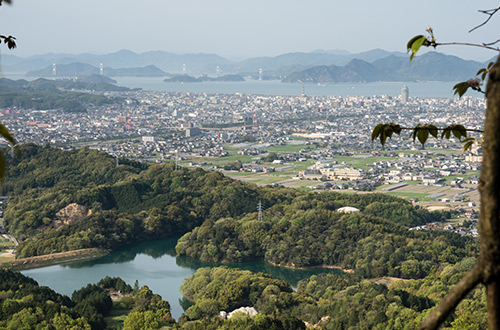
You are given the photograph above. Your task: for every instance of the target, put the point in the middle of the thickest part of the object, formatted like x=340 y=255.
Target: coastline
x=55 y=259
x=348 y=271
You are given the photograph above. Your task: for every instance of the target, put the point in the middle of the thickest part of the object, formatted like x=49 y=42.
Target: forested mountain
x=431 y=66
x=307 y=231
x=136 y=202
x=49 y=94
x=66 y=200
x=326 y=301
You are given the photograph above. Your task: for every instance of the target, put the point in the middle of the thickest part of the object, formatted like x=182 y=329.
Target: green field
x=4 y=259
x=5 y=242
x=116 y=318
x=290 y=148
x=407 y=195
x=267 y=180
x=361 y=162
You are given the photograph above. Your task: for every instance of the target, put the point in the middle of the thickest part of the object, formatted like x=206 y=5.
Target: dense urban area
x=297 y=141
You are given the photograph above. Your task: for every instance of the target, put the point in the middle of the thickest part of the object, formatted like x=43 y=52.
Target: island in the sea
x=183 y=78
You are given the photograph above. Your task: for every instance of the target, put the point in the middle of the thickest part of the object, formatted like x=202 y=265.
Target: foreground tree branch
x=489 y=187
x=448 y=304
x=487 y=269
x=490 y=13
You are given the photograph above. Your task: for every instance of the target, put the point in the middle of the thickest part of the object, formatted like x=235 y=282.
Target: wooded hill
x=133 y=202
x=43 y=94
x=326 y=301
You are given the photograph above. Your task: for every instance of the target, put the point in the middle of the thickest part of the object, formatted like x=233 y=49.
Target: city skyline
x=240 y=30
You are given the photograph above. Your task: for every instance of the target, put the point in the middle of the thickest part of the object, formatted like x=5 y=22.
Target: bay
x=276 y=87
x=153 y=264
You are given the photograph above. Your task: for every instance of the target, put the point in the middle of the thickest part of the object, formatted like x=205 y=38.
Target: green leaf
x=433 y=130
x=467 y=146
x=414 y=45
x=446 y=132
x=2 y=167
x=468 y=143
x=376 y=131
x=422 y=135
x=481 y=71
x=6 y=135
x=415 y=132
x=483 y=76
x=459 y=131
x=462 y=130
x=388 y=131
x=383 y=138
x=396 y=128
x=461 y=88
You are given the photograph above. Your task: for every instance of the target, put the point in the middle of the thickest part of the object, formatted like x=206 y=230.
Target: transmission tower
x=259 y=209
x=177 y=160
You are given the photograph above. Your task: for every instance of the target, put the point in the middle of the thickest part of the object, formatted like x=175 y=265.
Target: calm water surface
x=276 y=87
x=153 y=264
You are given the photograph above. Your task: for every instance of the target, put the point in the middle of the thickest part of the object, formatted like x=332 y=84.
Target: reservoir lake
x=153 y=264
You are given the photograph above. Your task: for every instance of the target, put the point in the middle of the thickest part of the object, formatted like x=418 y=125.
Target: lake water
x=153 y=264
x=276 y=87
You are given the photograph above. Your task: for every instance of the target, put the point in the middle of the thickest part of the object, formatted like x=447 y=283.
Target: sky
x=239 y=29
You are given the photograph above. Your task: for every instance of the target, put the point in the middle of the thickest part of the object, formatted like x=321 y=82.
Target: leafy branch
x=10 y=41
x=422 y=133
x=415 y=43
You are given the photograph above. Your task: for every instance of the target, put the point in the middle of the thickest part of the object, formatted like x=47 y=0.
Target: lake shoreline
x=348 y=271
x=59 y=258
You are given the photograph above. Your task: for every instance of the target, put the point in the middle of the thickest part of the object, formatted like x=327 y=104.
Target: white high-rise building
x=405 y=94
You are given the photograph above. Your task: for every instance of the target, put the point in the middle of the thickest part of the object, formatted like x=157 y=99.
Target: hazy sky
x=241 y=29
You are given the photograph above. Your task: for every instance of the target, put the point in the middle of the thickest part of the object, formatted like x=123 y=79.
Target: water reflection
x=155 y=249
x=153 y=264
x=160 y=248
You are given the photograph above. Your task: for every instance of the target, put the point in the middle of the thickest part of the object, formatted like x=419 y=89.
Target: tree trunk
x=487 y=268
x=489 y=187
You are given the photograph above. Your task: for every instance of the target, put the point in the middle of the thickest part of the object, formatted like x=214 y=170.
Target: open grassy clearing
x=116 y=318
x=6 y=258
x=361 y=162
x=407 y=195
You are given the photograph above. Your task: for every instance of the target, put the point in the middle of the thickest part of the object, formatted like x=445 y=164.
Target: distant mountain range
x=84 y=69
x=319 y=66
x=121 y=59
x=431 y=66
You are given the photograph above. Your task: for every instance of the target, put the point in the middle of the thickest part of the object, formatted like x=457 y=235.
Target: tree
x=10 y=41
x=487 y=268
